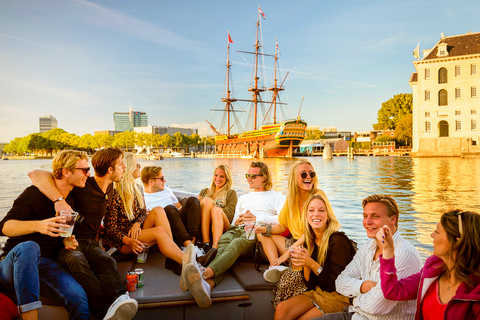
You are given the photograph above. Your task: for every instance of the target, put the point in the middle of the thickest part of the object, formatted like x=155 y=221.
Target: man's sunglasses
x=304 y=175
x=160 y=178
x=85 y=170
x=252 y=176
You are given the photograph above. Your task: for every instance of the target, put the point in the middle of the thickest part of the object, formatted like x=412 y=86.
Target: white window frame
x=427 y=114
x=457 y=71
x=458 y=125
x=458 y=93
x=474 y=124
x=427 y=74
x=473 y=111
x=473 y=69
x=473 y=92
x=428 y=126
x=427 y=95
x=458 y=112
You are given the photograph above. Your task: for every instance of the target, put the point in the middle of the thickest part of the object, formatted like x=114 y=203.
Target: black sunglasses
x=85 y=170
x=161 y=178
x=252 y=176
x=304 y=175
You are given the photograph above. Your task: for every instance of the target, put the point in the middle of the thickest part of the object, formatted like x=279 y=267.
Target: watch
x=319 y=270
x=59 y=199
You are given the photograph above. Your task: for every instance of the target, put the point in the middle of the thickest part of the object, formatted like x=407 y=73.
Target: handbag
x=259 y=256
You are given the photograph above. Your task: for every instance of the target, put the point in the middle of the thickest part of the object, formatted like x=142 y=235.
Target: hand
x=240 y=220
x=200 y=198
x=367 y=285
x=300 y=257
x=61 y=205
x=385 y=241
x=136 y=245
x=70 y=243
x=248 y=216
x=260 y=229
x=51 y=226
x=134 y=231
x=281 y=259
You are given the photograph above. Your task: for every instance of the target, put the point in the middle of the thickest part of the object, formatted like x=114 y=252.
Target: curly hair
x=264 y=171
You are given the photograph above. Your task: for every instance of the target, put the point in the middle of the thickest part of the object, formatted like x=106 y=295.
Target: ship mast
x=228 y=101
x=275 y=87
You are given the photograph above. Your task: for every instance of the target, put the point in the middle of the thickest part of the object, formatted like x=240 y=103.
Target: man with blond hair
x=27 y=265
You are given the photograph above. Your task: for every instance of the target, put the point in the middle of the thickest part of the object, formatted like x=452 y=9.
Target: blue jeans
x=97 y=272
x=28 y=274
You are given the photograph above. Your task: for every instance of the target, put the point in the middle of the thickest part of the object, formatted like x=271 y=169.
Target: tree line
x=59 y=139
x=396 y=114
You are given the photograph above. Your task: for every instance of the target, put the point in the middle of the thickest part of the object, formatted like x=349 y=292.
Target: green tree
x=85 y=142
x=404 y=131
x=383 y=138
x=12 y=146
x=179 y=139
x=166 y=140
x=124 y=139
x=314 y=134
x=195 y=140
x=393 y=110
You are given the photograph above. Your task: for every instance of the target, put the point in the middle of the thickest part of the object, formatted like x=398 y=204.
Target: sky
x=81 y=61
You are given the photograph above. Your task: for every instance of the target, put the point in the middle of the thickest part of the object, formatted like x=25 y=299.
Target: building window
x=458 y=125
x=473 y=90
x=474 y=124
x=473 y=69
x=473 y=111
x=457 y=71
x=443 y=128
x=427 y=113
x=428 y=126
x=427 y=73
x=442 y=75
x=458 y=93
x=458 y=112
x=442 y=97
x=427 y=95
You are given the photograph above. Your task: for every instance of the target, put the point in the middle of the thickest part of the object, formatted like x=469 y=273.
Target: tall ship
x=264 y=134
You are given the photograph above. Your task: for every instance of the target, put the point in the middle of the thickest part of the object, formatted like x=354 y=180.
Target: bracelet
x=268 y=233
x=59 y=199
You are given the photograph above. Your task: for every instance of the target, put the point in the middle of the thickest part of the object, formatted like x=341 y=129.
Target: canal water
x=423 y=187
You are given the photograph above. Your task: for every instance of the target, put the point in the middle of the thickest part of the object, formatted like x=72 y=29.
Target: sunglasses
x=304 y=175
x=85 y=170
x=160 y=178
x=460 y=224
x=252 y=176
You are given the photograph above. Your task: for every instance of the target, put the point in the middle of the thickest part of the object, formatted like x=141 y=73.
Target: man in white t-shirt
x=262 y=206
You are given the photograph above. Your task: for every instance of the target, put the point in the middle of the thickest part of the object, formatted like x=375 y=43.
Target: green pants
x=231 y=246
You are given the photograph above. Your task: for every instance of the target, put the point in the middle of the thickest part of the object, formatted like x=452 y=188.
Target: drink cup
x=70 y=217
x=294 y=259
x=249 y=227
x=142 y=256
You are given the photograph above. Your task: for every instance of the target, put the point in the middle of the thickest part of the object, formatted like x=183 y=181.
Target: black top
x=340 y=253
x=91 y=203
x=34 y=205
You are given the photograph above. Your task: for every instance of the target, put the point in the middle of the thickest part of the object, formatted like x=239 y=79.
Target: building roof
x=413 y=77
x=461 y=45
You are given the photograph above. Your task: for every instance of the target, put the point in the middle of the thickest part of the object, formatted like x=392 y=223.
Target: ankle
x=215 y=245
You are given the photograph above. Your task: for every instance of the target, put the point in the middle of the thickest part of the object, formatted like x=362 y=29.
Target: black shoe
x=174 y=266
x=206 y=247
x=208 y=257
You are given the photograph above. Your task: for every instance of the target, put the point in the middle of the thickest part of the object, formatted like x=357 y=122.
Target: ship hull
x=279 y=140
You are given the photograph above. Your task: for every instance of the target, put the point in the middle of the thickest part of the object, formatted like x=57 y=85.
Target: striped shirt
x=372 y=304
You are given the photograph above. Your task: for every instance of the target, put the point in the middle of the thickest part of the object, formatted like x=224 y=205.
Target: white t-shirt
x=265 y=205
x=160 y=199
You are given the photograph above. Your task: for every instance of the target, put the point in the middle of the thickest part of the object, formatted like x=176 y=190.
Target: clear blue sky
x=83 y=60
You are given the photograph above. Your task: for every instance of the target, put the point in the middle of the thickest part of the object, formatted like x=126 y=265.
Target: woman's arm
x=231 y=203
x=112 y=222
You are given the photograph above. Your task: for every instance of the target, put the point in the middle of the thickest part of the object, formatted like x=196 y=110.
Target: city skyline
x=80 y=61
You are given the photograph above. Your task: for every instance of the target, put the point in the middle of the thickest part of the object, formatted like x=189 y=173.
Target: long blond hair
x=291 y=203
x=332 y=226
x=127 y=188
x=227 y=186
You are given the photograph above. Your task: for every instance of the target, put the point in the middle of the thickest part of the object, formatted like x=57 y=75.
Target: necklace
x=449 y=285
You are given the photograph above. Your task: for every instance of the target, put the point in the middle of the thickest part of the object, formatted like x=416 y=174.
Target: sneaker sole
x=188 y=257
x=194 y=283
x=273 y=275
x=126 y=310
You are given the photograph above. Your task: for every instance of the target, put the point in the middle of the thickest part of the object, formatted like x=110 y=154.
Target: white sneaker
x=273 y=274
x=123 y=308
x=199 y=252
x=188 y=257
x=199 y=288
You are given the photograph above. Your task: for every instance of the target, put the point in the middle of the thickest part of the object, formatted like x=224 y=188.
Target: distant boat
x=276 y=138
x=327 y=152
x=154 y=157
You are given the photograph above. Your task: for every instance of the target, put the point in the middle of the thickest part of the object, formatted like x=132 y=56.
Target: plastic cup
x=70 y=217
x=294 y=267
x=142 y=256
x=249 y=230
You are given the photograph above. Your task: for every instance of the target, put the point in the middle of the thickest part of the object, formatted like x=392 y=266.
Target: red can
x=131 y=281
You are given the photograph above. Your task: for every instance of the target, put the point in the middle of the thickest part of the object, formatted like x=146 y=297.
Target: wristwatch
x=59 y=199
x=319 y=270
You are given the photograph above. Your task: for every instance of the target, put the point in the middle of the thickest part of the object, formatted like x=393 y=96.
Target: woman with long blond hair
x=326 y=254
x=127 y=223
x=218 y=206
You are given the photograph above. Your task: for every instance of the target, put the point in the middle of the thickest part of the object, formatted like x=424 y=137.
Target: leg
x=19 y=273
x=57 y=284
x=165 y=244
x=271 y=246
x=337 y=316
x=207 y=206
x=180 y=234
x=220 y=224
x=312 y=313
x=158 y=217
x=294 y=307
x=191 y=214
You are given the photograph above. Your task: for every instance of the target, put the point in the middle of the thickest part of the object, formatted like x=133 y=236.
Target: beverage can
x=131 y=281
x=140 y=277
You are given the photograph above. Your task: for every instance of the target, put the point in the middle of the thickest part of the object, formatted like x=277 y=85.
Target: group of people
x=380 y=280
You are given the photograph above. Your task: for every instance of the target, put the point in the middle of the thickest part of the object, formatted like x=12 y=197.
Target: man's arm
x=43 y=180
x=50 y=227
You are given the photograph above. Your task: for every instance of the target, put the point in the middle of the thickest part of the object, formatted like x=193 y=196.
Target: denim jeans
x=97 y=272
x=28 y=274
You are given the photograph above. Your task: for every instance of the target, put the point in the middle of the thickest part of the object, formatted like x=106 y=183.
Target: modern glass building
x=47 y=123
x=126 y=121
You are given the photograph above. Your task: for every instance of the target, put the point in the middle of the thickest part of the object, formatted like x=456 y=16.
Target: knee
x=159 y=230
x=207 y=202
x=28 y=247
x=193 y=201
x=281 y=309
x=158 y=211
x=74 y=259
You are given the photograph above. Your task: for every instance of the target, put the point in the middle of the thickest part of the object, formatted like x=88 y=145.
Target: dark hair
x=389 y=202
x=104 y=159
x=463 y=233
x=264 y=171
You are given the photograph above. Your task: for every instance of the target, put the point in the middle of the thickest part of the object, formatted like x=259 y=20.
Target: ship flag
x=276 y=44
x=229 y=38
x=416 y=52
x=261 y=12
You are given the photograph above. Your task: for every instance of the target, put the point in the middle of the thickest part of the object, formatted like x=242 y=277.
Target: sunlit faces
x=136 y=172
x=441 y=245
x=159 y=182
x=307 y=182
x=219 y=178
x=257 y=182
x=317 y=216
x=118 y=169
x=78 y=178
x=375 y=216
